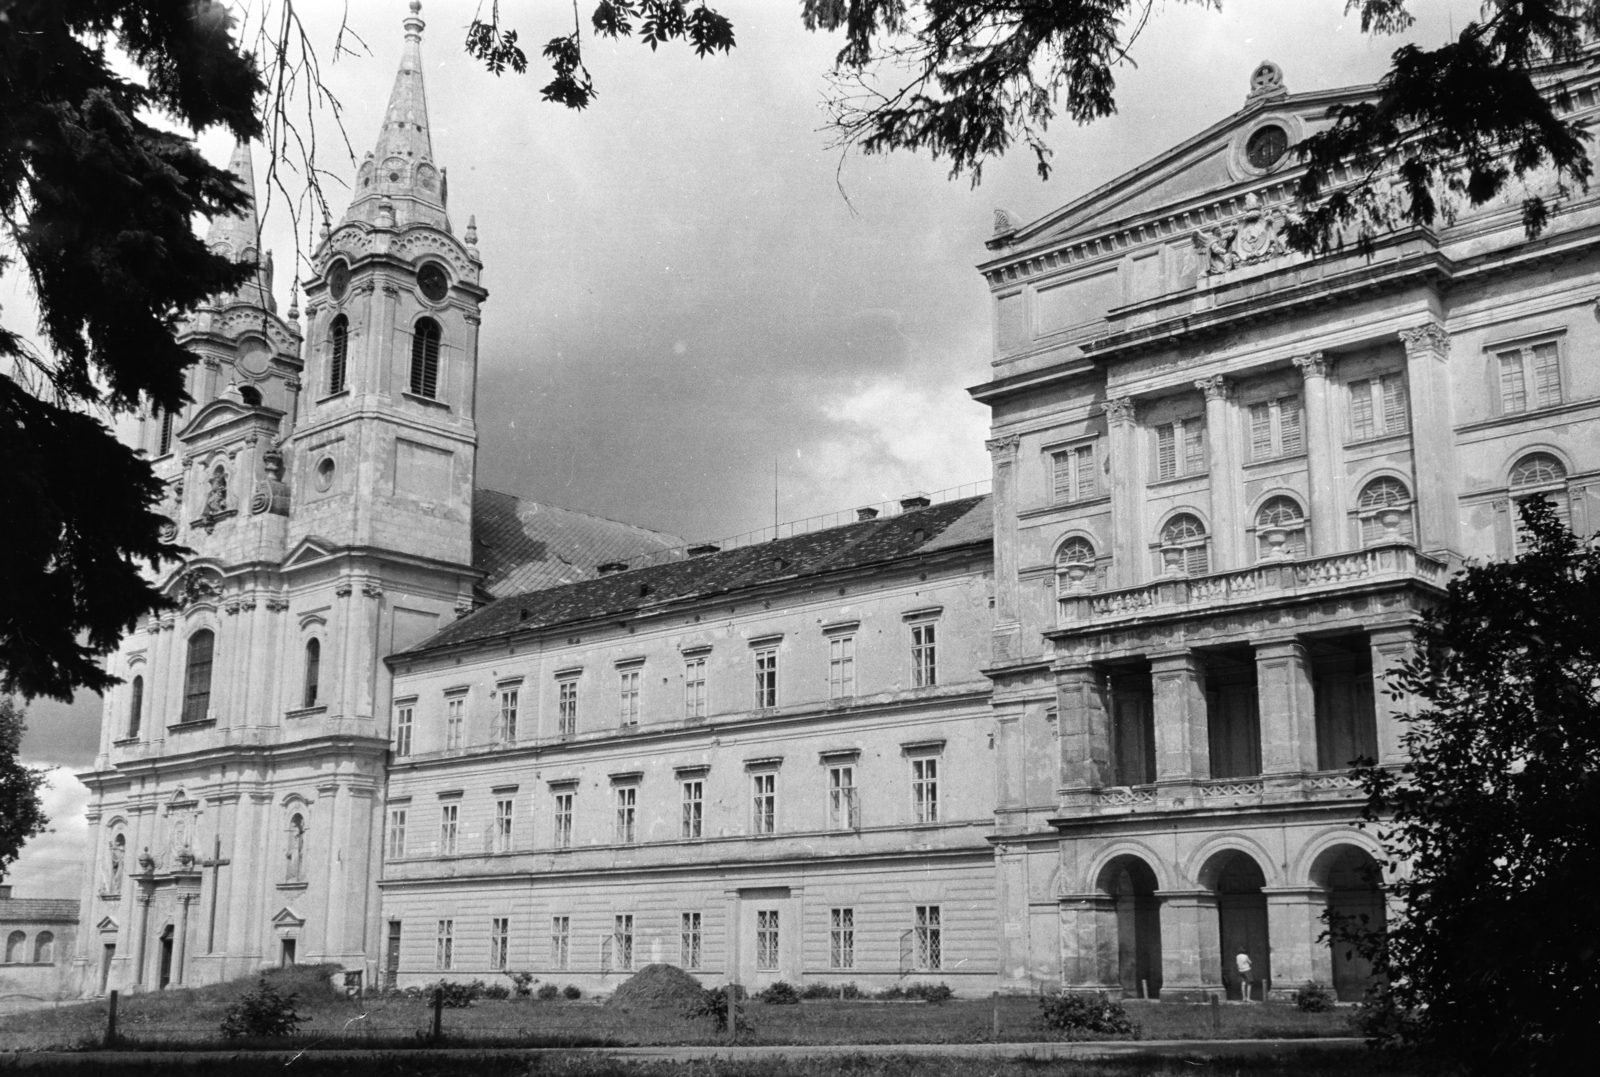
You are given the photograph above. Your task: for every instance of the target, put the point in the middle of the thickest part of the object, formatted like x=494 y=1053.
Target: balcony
x=1270 y=582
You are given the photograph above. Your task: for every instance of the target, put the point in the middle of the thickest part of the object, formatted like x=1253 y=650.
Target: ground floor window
x=622 y=941
x=689 y=955
x=444 y=951
x=499 y=942
x=560 y=938
x=766 y=938
x=842 y=939
x=929 y=938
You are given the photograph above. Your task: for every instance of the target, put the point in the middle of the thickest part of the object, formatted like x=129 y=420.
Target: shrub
x=262 y=1013
x=496 y=991
x=1082 y=1016
x=457 y=995
x=713 y=1003
x=934 y=993
x=1314 y=998
x=816 y=990
x=521 y=984
x=571 y=993
x=781 y=993
x=548 y=993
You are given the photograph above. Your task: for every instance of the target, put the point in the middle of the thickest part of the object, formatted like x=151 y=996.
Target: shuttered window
x=1073 y=473
x=1378 y=407
x=1180 y=448
x=1530 y=377
x=1276 y=428
x=339 y=341
x=425 y=359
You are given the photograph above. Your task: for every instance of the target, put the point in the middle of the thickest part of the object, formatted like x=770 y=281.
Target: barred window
x=842 y=938
x=766 y=938
x=689 y=941
x=929 y=938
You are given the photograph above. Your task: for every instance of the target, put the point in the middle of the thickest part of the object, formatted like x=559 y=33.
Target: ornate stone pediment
x=307 y=550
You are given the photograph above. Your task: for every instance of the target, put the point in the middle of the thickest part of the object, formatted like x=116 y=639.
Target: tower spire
x=401 y=171
x=238 y=235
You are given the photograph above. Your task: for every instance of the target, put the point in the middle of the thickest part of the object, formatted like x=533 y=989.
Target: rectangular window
x=499 y=942
x=689 y=946
x=397 y=833
x=628 y=713
x=1181 y=448
x=1275 y=428
x=841 y=667
x=563 y=818
x=627 y=806
x=766 y=678
x=929 y=938
x=842 y=798
x=504 y=812
x=402 y=731
x=694 y=688
x=455 y=722
x=444 y=952
x=449 y=820
x=622 y=941
x=842 y=939
x=924 y=657
x=560 y=937
x=925 y=789
x=1073 y=474
x=766 y=938
x=567 y=709
x=508 y=714
x=765 y=815
x=1530 y=377
x=693 y=808
x=1377 y=407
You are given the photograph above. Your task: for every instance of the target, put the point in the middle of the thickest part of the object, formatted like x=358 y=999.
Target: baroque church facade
x=1090 y=731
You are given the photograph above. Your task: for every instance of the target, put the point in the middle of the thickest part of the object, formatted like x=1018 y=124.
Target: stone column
x=1084 y=727
x=1007 y=606
x=1391 y=646
x=1128 y=558
x=144 y=932
x=1191 y=944
x=1183 y=750
x=1089 y=942
x=1432 y=439
x=1326 y=534
x=182 y=941
x=1287 y=708
x=1294 y=923
x=1222 y=447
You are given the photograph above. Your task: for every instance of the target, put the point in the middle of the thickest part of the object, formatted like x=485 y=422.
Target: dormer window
x=425 y=359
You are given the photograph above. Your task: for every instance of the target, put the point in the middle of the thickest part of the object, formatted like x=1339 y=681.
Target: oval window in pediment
x=1267 y=147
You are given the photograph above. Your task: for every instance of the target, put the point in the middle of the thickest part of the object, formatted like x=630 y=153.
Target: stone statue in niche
x=119 y=850
x=1252 y=237
x=217 y=496
x=196 y=587
x=271 y=493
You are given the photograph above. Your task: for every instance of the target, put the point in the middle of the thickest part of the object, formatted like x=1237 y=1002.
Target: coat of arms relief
x=1253 y=236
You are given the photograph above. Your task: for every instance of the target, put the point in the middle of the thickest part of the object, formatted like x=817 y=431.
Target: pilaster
x=1128 y=560
x=1294 y=924
x=1183 y=751
x=1089 y=942
x=1287 y=708
x=1085 y=728
x=1227 y=496
x=1326 y=535
x=1432 y=440
x=1391 y=647
x=1191 y=944
x=1007 y=606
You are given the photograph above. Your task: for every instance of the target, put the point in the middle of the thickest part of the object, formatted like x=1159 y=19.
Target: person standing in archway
x=1242 y=963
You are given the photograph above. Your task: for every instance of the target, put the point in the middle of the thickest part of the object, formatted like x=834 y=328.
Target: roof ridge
x=579 y=512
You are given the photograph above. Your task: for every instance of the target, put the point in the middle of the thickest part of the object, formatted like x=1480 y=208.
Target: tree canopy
x=21 y=813
x=1492 y=955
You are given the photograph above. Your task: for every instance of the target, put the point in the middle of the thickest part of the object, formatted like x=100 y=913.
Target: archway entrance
x=1353 y=883
x=1241 y=921
x=1132 y=885
x=166 y=956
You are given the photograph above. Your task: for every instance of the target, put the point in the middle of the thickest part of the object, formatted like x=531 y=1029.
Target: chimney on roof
x=703 y=549
x=5 y=891
x=866 y=514
x=914 y=501
x=611 y=566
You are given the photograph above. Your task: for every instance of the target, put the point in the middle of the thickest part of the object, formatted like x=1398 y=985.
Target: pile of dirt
x=657 y=987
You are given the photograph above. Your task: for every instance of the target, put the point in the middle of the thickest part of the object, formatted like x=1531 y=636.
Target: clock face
x=432 y=280
x=338 y=280
x=1266 y=146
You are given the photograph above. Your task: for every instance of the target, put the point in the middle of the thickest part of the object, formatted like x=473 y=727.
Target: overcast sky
x=682 y=300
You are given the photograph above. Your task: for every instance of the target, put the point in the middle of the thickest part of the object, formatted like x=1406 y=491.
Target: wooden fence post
x=438 y=1014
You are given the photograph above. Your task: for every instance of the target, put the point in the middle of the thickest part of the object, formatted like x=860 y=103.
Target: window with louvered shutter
x=1275 y=428
x=339 y=338
x=1194 y=447
x=425 y=359
x=1180 y=448
x=1282 y=513
x=1546 y=375
x=1395 y=409
x=1084 y=472
x=1073 y=474
x=1289 y=439
x=1184 y=537
x=1382 y=501
x=1363 y=421
x=1166 y=451
x=1513 y=393
x=1260 y=431
x=164 y=442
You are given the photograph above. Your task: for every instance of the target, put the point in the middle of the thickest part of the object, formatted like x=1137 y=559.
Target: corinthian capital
x=1311 y=366
x=1429 y=337
x=1119 y=410
x=1004 y=446
x=1215 y=387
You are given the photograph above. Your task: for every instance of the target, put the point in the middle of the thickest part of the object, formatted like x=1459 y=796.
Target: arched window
x=1075 y=564
x=250 y=395
x=197 y=676
x=1280 y=529
x=119 y=853
x=1185 y=549
x=1539 y=474
x=295 y=854
x=16 y=947
x=164 y=439
x=425 y=359
x=1384 y=509
x=339 y=350
x=135 y=706
x=44 y=948
x=313 y=669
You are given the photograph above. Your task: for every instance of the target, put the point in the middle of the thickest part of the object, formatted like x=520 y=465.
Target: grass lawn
x=190 y=1017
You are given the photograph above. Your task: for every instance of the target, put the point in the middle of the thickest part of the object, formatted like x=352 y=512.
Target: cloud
x=52 y=864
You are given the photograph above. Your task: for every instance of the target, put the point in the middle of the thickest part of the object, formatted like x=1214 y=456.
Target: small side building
x=36 y=944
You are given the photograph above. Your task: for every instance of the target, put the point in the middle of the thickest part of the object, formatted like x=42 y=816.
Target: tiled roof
x=954 y=524
x=36 y=910
x=525 y=545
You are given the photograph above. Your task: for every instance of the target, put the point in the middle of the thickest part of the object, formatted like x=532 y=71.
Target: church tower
x=324 y=485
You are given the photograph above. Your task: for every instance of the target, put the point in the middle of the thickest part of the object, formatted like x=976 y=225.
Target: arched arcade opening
x=1238 y=882
x=1131 y=884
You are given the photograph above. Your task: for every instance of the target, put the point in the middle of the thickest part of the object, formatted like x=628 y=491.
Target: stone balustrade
x=1302 y=577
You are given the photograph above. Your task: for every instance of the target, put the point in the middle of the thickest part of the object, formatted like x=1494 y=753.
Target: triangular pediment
x=225 y=414
x=108 y=923
x=307 y=551
x=287 y=917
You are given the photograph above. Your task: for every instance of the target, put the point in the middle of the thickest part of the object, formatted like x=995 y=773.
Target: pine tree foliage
x=1492 y=956
x=21 y=812
x=99 y=206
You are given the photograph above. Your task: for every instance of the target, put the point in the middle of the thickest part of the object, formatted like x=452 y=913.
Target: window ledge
x=1068 y=506
x=1381 y=440
x=184 y=727
x=1269 y=461
x=333 y=396
x=1511 y=417
x=306 y=712
x=427 y=401
x=125 y=742
x=293 y=886
x=1176 y=480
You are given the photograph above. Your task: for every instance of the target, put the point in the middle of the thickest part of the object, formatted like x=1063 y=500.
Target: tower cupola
x=399 y=182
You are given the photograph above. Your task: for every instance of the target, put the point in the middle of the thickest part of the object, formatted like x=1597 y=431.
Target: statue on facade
x=271 y=493
x=217 y=496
